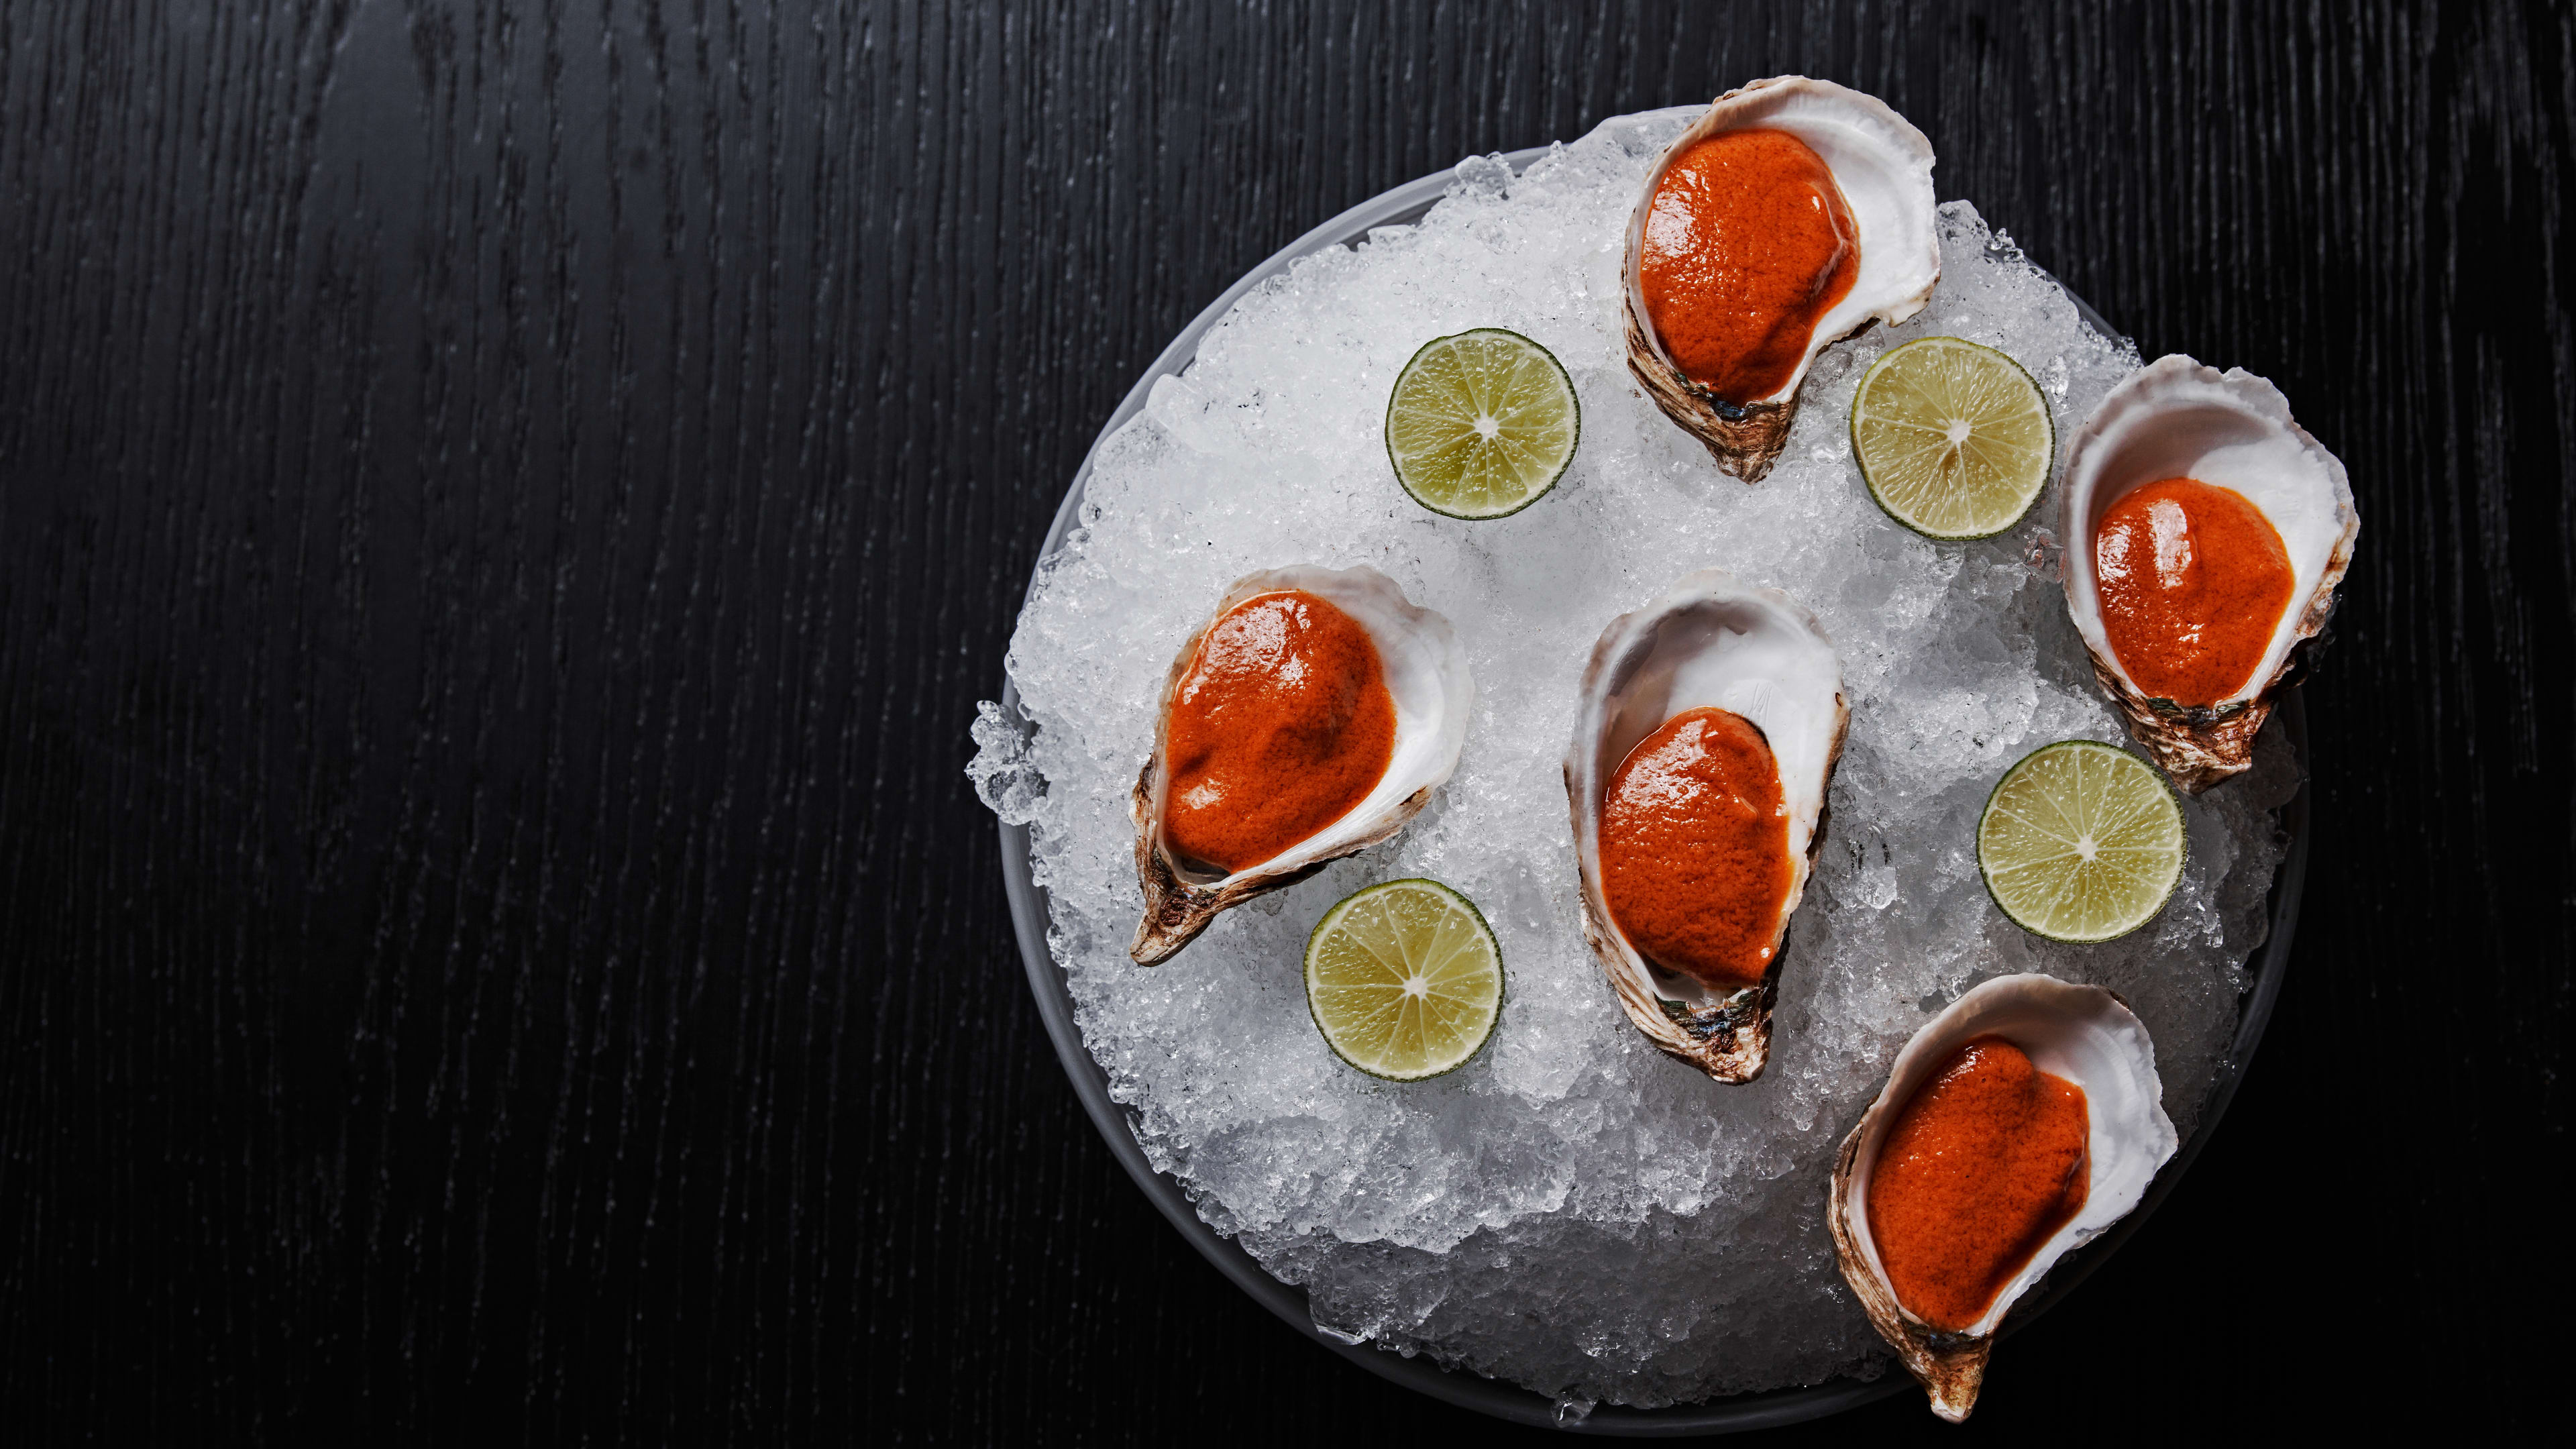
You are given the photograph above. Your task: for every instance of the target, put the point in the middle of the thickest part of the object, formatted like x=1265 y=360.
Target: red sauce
x=1281 y=724
x=1695 y=848
x=1985 y=1164
x=2192 y=579
x=1747 y=243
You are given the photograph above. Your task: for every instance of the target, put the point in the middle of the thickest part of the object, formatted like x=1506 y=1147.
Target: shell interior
x=1709 y=641
x=2082 y=1033
x=1884 y=167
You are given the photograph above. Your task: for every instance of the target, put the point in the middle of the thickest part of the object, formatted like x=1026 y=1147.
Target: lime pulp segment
x=1404 y=979
x=1952 y=437
x=1481 y=424
x=2081 y=841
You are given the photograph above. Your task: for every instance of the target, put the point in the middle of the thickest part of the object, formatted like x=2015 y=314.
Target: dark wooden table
x=506 y=510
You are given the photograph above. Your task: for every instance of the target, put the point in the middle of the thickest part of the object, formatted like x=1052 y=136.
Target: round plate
x=1765 y=1409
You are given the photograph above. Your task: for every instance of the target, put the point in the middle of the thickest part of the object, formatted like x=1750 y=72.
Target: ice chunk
x=1005 y=779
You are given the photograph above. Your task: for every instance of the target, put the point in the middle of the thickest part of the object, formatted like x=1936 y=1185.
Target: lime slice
x=1481 y=424
x=1953 y=438
x=2081 y=841
x=1404 y=980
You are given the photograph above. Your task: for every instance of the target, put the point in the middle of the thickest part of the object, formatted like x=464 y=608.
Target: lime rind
x=1482 y=424
x=1912 y=467
x=2041 y=816
x=1358 y=970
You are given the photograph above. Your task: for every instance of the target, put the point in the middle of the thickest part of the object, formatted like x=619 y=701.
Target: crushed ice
x=1573 y=1211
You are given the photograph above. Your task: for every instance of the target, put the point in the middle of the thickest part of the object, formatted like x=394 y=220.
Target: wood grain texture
x=506 y=509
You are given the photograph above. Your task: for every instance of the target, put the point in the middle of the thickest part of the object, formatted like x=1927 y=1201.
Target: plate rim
x=1766 y=1408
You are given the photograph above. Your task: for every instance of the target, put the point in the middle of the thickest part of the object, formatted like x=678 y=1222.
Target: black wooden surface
x=506 y=509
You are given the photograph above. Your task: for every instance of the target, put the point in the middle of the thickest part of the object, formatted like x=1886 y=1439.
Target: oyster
x=1883 y=167
x=1710 y=642
x=1425 y=669
x=2082 y=1033
x=2175 y=418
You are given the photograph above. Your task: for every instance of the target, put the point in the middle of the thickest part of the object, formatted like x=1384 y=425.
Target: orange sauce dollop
x=1695 y=848
x=2192 y=579
x=1983 y=1166
x=1280 y=725
x=1747 y=243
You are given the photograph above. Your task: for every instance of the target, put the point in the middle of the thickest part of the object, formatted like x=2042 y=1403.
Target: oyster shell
x=1884 y=167
x=2176 y=418
x=1709 y=641
x=1425 y=669
x=2082 y=1033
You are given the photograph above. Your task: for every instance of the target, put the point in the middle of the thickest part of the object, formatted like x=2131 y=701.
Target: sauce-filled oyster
x=1704 y=744
x=1309 y=718
x=2205 y=533
x=1790 y=216
x=2016 y=1126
